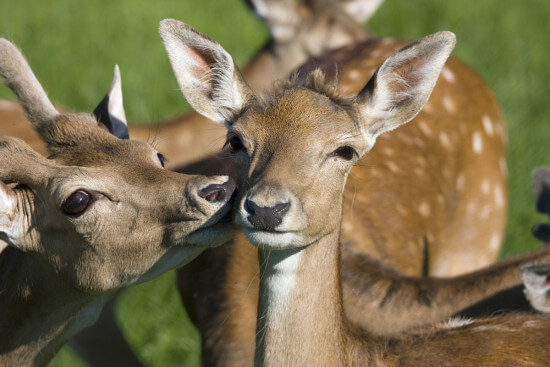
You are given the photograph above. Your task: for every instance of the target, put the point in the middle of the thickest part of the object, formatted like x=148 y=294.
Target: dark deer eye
x=346 y=152
x=162 y=159
x=235 y=143
x=77 y=203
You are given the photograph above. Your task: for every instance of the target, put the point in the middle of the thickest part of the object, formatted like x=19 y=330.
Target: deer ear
x=110 y=111
x=403 y=83
x=206 y=73
x=360 y=10
x=20 y=79
x=12 y=225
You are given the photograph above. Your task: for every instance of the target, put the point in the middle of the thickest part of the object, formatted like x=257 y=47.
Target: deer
x=298 y=30
x=291 y=205
x=99 y=214
x=446 y=221
x=398 y=302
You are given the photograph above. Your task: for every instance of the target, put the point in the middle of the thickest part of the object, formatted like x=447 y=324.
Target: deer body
x=100 y=214
x=294 y=218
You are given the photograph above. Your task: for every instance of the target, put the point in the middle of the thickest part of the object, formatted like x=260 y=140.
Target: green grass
x=72 y=46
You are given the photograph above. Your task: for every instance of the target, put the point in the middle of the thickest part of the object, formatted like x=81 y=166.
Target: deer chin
x=272 y=240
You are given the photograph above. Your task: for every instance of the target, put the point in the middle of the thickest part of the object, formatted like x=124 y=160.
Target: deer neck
x=40 y=312
x=300 y=314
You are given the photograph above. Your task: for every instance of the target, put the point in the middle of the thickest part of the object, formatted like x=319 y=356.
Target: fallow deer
x=285 y=187
x=291 y=201
x=100 y=214
x=298 y=29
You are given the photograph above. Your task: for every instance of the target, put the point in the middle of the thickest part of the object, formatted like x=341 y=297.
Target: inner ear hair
x=19 y=163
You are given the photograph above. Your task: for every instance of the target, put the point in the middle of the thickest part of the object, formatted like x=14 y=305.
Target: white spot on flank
x=419 y=171
x=392 y=166
x=485 y=212
x=375 y=53
x=460 y=182
x=375 y=172
x=449 y=104
x=444 y=139
x=471 y=207
x=487 y=125
x=448 y=75
x=388 y=151
x=499 y=196
x=425 y=128
x=477 y=142
x=485 y=187
x=494 y=243
x=428 y=107
x=424 y=209
x=354 y=74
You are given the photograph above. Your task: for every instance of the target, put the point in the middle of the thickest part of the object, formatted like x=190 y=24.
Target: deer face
x=101 y=211
x=295 y=146
x=292 y=166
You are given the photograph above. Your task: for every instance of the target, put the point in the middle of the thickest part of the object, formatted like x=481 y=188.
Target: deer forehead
x=297 y=118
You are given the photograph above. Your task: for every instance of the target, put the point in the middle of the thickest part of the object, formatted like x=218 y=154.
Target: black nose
x=265 y=218
x=217 y=193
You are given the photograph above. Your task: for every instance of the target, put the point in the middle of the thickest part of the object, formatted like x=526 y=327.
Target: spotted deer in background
x=429 y=199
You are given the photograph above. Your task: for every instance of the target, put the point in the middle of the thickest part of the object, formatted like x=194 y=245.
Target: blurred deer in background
x=430 y=199
x=298 y=29
x=290 y=207
x=100 y=214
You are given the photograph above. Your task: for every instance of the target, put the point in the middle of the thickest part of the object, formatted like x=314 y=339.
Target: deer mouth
x=216 y=230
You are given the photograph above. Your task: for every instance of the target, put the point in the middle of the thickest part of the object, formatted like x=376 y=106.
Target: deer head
x=101 y=211
x=314 y=25
x=295 y=146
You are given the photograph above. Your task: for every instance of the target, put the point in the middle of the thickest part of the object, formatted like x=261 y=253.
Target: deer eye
x=162 y=159
x=77 y=203
x=345 y=152
x=235 y=143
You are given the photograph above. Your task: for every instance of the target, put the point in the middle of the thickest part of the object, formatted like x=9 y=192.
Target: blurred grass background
x=72 y=45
